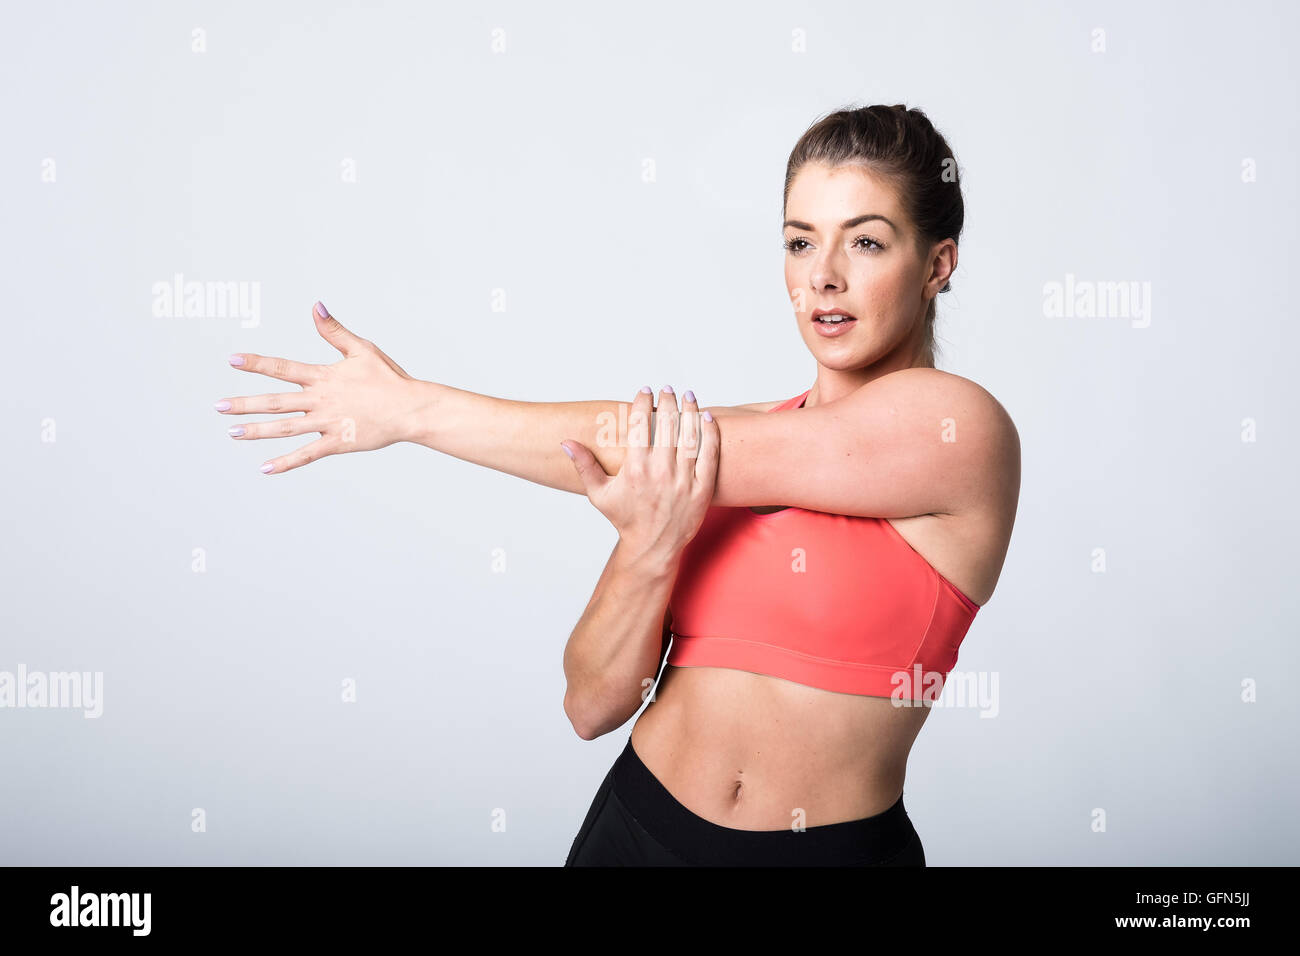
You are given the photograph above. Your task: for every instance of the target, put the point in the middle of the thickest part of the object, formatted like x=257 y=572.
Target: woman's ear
x=943 y=262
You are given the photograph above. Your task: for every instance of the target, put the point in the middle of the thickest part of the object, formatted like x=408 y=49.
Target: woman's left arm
x=916 y=441
x=913 y=442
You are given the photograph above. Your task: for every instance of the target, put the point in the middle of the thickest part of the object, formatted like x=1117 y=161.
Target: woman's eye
x=797 y=245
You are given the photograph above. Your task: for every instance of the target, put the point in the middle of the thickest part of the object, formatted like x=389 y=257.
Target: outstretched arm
x=519 y=438
x=523 y=438
x=916 y=441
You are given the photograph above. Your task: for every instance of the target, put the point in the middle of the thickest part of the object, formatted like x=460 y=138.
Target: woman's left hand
x=361 y=403
x=658 y=499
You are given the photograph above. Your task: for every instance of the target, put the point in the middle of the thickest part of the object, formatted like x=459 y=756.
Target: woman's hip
x=634 y=820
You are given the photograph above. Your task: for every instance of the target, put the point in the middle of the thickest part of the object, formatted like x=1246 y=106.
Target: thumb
x=589 y=469
x=332 y=331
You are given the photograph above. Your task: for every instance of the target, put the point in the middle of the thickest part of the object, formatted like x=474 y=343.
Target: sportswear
x=840 y=602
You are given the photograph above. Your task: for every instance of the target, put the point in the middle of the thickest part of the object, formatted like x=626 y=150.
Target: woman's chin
x=838 y=352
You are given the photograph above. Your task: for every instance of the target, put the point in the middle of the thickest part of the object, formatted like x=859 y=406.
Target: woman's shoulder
x=931 y=377
x=962 y=409
x=965 y=394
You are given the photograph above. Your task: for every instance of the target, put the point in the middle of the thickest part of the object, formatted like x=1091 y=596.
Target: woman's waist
x=746 y=750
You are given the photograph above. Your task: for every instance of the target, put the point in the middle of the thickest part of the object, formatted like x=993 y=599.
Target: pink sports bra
x=840 y=602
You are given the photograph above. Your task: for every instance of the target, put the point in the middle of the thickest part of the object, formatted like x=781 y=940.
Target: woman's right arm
x=614 y=652
x=656 y=503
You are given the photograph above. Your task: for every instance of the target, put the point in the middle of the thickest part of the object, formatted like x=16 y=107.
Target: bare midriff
x=753 y=752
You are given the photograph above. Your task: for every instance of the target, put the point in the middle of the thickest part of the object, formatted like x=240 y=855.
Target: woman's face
x=850 y=246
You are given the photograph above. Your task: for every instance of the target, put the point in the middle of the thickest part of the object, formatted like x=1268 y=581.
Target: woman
x=815 y=562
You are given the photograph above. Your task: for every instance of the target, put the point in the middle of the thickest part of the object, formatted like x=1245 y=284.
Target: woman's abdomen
x=753 y=752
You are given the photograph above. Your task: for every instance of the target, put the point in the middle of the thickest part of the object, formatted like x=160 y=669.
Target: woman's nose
x=825 y=273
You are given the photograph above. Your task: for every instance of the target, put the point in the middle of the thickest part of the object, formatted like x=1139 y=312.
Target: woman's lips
x=831 y=329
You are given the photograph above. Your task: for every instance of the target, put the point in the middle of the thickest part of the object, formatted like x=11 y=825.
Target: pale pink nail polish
x=235 y=431
x=708 y=415
x=266 y=469
x=236 y=360
x=222 y=406
x=321 y=311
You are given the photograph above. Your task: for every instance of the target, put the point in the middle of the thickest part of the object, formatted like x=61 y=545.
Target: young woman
x=815 y=561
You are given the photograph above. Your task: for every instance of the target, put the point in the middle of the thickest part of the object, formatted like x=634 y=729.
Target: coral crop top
x=840 y=602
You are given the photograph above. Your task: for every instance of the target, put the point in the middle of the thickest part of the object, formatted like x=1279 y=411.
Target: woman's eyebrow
x=846 y=224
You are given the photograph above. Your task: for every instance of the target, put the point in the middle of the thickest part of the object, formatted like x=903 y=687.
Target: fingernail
x=266 y=469
x=236 y=360
x=668 y=389
x=235 y=431
x=689 y=396
x=321 y=311
x=222 y=406
x=647 y=389
x=708 y=415
x=567 y=452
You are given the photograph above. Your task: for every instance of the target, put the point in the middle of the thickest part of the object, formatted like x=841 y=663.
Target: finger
x=589 y=468
x=688 y=444
x=320 y=448
x=639 y=420
x=281 y=428
x=264 y=404
x=333 y=332
x=706 y=465
x=666 y=427
x=297 y=372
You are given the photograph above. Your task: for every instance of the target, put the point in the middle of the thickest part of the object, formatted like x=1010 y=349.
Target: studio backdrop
x=359 y=661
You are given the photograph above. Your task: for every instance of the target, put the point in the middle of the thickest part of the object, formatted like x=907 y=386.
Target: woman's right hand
x=659 y=497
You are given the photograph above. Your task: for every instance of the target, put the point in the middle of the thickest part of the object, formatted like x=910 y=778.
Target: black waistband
x=701 y=842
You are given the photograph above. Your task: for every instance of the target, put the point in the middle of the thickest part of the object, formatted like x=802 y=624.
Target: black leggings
x=635 y=821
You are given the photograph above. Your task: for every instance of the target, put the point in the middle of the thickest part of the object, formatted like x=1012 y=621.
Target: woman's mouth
x=831 y=324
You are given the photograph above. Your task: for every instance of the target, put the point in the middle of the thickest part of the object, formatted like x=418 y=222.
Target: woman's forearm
x=614 y=652
x=519 y=438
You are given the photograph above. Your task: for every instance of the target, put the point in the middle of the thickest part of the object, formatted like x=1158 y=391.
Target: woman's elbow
x=588 y=720
x=580 y=717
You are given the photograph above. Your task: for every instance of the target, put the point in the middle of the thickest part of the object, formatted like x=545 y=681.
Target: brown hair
x=903 y=146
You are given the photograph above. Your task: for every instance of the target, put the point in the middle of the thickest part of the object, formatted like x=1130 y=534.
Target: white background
x=522 y=170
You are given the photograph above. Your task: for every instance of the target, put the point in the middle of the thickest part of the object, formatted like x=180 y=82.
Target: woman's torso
x=748 y=751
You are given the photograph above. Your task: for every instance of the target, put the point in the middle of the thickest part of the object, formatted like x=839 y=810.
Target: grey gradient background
x=521 y=170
